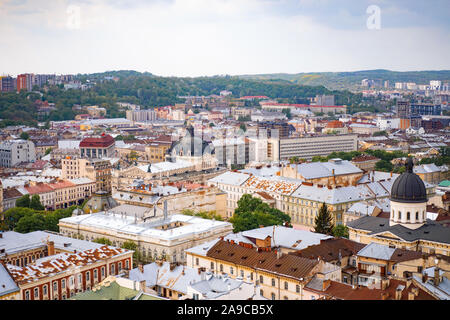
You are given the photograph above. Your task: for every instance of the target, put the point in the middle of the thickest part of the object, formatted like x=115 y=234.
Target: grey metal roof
x=376 y=251
x=7 y=284
x=315 y=170
x=431 y=230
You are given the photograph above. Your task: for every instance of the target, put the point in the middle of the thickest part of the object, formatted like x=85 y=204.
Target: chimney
x=384 y=284
x=415 y=291
x=411 y=296
x=398 y=294
x=424 y=277
x=50 y=248
x=436 y=279
x=384 y=295
x=391 y=174
x=279 y=253
x=326 y=284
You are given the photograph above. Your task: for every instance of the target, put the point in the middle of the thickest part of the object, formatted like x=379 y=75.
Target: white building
x=13 y=152
x=388 y=123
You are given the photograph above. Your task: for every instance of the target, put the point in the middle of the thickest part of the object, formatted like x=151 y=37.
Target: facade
x=279 y=276
x=97 y=147
x=157 y=236
x=25 y=82
x=13 y=152
x=6 y=84
x=97 y=170
x=142 y=115
x=407 y=226
x=365 y=162
x=308 y=147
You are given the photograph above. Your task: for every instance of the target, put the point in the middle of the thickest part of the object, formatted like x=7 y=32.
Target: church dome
x=408 y=187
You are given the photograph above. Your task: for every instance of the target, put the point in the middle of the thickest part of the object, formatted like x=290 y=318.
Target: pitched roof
x=287 y=265
x=330 y=249
x=342 y=291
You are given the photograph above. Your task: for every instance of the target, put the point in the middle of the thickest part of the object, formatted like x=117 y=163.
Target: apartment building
x=308 y=147
x=97 y=170
x=142 y=115
x=13 y=152
x=279 y=276
x=61 y=193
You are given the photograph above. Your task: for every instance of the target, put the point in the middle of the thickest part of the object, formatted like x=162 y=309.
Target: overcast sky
x=211 y=37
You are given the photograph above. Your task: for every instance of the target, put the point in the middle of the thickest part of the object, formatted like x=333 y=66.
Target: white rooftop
x=376 y=251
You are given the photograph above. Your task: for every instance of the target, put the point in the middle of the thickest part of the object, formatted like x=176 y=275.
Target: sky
x=217 y=37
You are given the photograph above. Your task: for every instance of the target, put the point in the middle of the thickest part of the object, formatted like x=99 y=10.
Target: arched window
x=417 y=215
x=408 y=216
x=399 y=215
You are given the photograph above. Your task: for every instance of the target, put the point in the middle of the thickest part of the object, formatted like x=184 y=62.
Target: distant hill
x=352 y=80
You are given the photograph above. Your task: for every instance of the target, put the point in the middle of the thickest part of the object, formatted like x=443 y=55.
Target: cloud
x=207 y=37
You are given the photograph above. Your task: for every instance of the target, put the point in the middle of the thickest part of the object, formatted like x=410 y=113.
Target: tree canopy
x=252 y=213
x=323 y=223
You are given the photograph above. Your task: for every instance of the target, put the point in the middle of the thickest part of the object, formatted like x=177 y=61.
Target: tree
x=48 y=151
x=30 y=223
x=13 y=215
x=340 y=231
x=24 y=135
x=253 y=212
x=323 y=223
x=294 y=160
x=35 y=203
x=23 y=202
x=243 y=127
x=383 y=165
x=103 y=241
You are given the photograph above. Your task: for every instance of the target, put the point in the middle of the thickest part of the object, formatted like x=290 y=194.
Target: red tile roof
x=97 y=142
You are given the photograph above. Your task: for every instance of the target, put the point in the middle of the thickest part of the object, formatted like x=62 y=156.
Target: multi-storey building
x=13 y=152
x=308 y=147
x=97 y=170
x=157 y=236
x=97 y=147
x=50 y=267
x=25 y=82
x=62 y=193
x=279 y=276
x=142 y=115
x=6 y=84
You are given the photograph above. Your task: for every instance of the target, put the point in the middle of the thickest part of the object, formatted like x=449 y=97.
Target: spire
x=409 y=165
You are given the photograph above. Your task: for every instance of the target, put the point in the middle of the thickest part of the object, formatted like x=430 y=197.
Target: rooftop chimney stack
x=437 y=279
x=50 y=248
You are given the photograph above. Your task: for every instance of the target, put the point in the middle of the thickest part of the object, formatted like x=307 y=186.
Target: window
x=127 y=264
x=195 y=296
x=261 y=292
x=297 y=288
x=196 y=262
x=261 y=278
x=221 y=268
x=113 y=269
x=55 y=286
x=103 y=271
x=251 y=276
x=273 y=296
x=231 y=270
x=273 y=282
x=63 y=283
x=408 y=216
x=88 y=276
x=36 y=293
x=44 y=290
x=286 y=285
x=417 y=215
x=242 y=273
x=399 y=215
x=80 y=279
x=212 y=265
x=27 y=295
x=120 y=266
